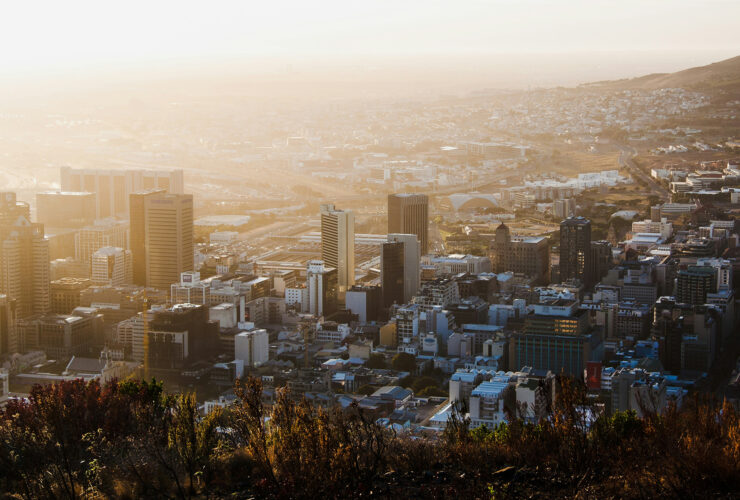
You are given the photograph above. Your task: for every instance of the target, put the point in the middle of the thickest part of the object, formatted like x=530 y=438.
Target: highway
x=626 y=155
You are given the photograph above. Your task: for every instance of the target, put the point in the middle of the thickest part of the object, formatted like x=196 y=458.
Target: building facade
x=409 y=214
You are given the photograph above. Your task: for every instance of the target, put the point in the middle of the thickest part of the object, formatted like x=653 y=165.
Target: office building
x=190 y=290
x=564 y=208
x=61 y=336
x=65 y=208
x=409 y=214
x=458 y=263
x=65 y=294
x=68 y=268
x=601 y=259
x=137 y=232
x=391 y=273
x=338 y=244
x=527 y=255
x=322 y=285
x=252 y=348
x=555 y=338
x=111 y=266
x=399 y=268
x=113 y=187
x=11 y=209
x=180 y=335
x=365 y=302
x=168 y=238
x=693 y=284
x=575 y=250
x=24 y=266
x=8 y=338
x=101 y=233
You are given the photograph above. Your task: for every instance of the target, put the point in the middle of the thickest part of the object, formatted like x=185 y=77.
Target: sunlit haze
x=370 y=249
x=65 y=38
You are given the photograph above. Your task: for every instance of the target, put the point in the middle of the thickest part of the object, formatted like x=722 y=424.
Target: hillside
x=132 y=440
x=722 y=76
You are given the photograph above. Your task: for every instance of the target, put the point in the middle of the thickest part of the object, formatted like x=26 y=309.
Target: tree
x=422 y=383
x=376 y=361
x=432 y=391
x=404 y=362
x=366 y=389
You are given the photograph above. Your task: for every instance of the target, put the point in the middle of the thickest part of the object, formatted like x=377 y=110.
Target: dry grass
x=571 y=163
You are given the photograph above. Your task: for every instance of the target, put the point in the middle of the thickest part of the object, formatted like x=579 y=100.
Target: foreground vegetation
x=131 y=440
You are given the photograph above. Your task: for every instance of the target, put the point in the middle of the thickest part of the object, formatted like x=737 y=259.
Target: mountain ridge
x=722 y=76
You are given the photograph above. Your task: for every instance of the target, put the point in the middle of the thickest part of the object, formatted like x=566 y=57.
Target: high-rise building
x=8 y=339
x=252 y=348
x=11 y=209
x=113 y=187
x=575 y=250
x=322 y=288
x=65 y=208
x=399 y=268
x=528 y=255
x=24 y=266
x=693 y=284
x=137 y=232
x=111 y=266
x=101 y=233
x=555 y=338
x=409 y=214
x=601 y=259
x=564 y=208
x=391 y=273
x=338 y=244
x=167 y=237
x=179 y=335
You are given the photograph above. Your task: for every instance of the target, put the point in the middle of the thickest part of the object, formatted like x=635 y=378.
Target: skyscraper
x=137 y=239
x=409 y=214
x=8 y=339
x=11 y=209
x=24 y=259
x=168 y=238
x=391 y=273
x=322 y=288
x=575 y=250
x=338 y=244
x=399 y=268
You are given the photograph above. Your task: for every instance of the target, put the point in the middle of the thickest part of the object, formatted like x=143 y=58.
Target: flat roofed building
x=168 y=230
x=113 y=187
x=338 y=244
x=527 y=255
x=64 y=209
x=409 y=214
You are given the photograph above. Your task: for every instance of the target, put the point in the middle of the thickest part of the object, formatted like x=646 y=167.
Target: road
x=626 y=155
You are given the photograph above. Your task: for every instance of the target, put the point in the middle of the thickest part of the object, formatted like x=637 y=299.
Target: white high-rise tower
x=338 y=244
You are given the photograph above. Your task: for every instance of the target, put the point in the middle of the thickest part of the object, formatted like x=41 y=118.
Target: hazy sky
x=36 y=35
